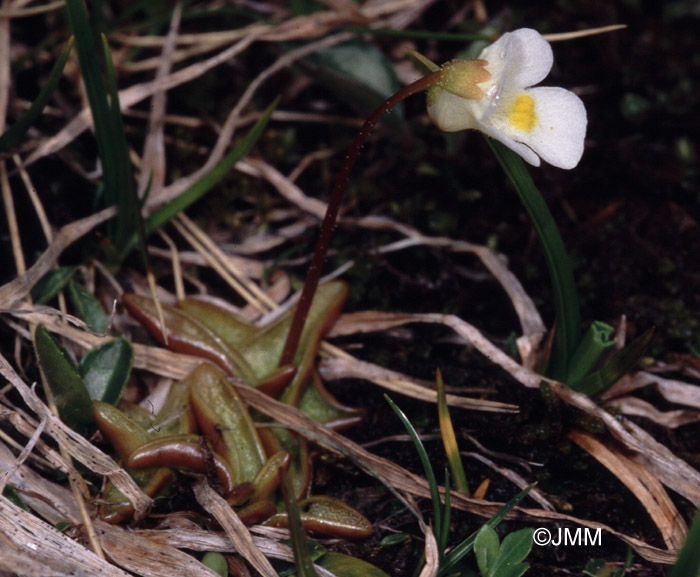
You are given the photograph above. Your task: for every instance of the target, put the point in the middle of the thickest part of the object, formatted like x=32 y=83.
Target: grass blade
x=561 y=273
x=302 y=558
x=128 y=213
x=161 y=216
x=109 y=133
x=12 y=137
x=449 y=440
x=425 y=461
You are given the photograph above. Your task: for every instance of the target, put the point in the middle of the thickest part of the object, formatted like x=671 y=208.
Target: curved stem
x=319 y=257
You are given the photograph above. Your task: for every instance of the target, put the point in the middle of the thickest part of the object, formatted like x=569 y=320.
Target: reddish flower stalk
x=319 y=257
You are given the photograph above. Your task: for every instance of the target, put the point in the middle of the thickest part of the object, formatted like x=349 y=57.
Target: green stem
x=319 y=257
x=566 y=305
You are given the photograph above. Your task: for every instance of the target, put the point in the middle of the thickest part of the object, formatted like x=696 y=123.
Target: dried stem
x=329 y=220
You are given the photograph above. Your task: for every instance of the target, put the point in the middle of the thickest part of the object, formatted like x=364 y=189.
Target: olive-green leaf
x=216 y=562
x=346 y=566
x=359 y=74
x=51 y=284
x=106 y=369
x=58 y=372
x=486 y=548
x=514 y=549
x=87 y=307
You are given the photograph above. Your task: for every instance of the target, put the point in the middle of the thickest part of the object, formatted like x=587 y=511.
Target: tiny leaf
x=346 y=566
x=67 y=388
x=359 y=74
x=216 y=562
x=514 y=549
x=87 y=307
x=486 y=549
x=106 y=369
x=619 y=365
x=51 y=284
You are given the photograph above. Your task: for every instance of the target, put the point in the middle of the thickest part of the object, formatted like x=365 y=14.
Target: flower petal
x=450 y=112
x=522 y=58
x=522 y=150
x=550 y=121
x=561 y=127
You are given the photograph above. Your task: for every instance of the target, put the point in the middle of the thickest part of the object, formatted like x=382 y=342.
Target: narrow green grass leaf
x=109 y=131
x=425 y=461
x=95 y=89
x=161 y=216
x=12 y=137
x=302 y=557
x=566 y=302
x=449 y=439
x=127 y=201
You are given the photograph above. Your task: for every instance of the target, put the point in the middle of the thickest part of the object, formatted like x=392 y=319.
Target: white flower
x=547 y=123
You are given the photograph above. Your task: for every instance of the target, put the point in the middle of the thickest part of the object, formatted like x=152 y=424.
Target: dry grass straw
x=28 y=539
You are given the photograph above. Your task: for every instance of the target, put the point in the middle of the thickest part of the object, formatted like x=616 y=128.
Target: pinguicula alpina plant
x=495 y=94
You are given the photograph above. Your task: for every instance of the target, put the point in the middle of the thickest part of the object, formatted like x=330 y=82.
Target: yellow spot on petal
x=522 y=115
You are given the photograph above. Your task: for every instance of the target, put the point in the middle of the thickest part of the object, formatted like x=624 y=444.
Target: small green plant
x=494 y=560
x=502 y=559
x=494 y=94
